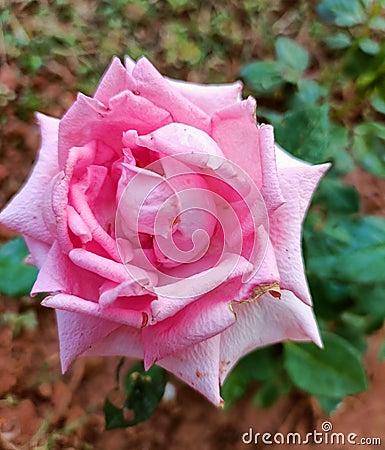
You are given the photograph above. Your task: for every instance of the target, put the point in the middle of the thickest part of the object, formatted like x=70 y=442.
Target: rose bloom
x=166 y=225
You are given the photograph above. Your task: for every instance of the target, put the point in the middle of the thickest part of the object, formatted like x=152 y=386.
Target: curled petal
x=266 y=321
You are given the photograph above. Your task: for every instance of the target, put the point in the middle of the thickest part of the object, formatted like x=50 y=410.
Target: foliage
x=18 y=278
x=142 y=392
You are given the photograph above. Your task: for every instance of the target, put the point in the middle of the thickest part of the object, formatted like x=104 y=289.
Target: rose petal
x=127 y=316
x=152 y=85
x=25 y=212
x=59 y=274
x=195 y=323
x=297 y=184
x=89 y=120
x=209 y=97
x=115 y=80
x=266 y=321
x=271 y=189
x=235 y=131
x=123 y=341
x=198 y=366
x=79 y=333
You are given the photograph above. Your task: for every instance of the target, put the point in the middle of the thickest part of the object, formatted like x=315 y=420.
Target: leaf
x=369 y=147
x=309 y=92
x=143 y=390
x=377 y=23
x=329 y=404
x=369 y=46
x=305 y=132
x=381 y=353
x=293 y=59
x=270 y=390
x=334 y=371
x=338 y=41
x=350 y=250
x=344 y=13
x=261 y=364
x=369 y=297
x=336 y=196
x=16 y=278
x=378 y=102
x=262 y=77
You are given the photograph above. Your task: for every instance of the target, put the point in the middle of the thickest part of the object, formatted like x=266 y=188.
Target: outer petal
x=115 y=80
x=235 y=131
x=209 y=97
x=79 y=333
x=263 y=322
x=297 y=184
x=196 y=323
x=152 y=85
x=271 y=189
x=123 y=341
x=25 y=212
x=198 y=366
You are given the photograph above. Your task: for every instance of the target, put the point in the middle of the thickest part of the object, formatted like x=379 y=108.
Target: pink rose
x=166 y=225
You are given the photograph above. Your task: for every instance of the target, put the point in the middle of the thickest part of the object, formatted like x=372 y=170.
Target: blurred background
x=317 y=70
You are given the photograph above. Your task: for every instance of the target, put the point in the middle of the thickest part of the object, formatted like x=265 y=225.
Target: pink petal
x=266 y=274
x=123 y=341
x=79 y=333
x=179 y=139
x=195 y=323
x=59 y=274
x=39 y=251
x=297 y=184
x=124 y=316
x=235 y=131
x=88 y=120
x=271 y=189
x=25 y=213
x=266 y=321
x=198 y=366
x=115 y=80
x=209 y=97
x=152 y=85
x=175 y=296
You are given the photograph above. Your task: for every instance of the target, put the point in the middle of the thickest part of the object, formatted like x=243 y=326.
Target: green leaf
x=305 y=132
x=338 y=41
x=369 y=147
x=334 y=371
x=293 y=59
x=350 y=250
x=309 y=92
x=336 y=196
x=262 y=77
x=381 y=353
x=377 y=23
x=143 y=390
x=329 y=404
x=378 y=102
x=16 y=278
x=261 y=365
x=344 y=13
x=342 y=161
x=368 y=298
x=369 y=46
